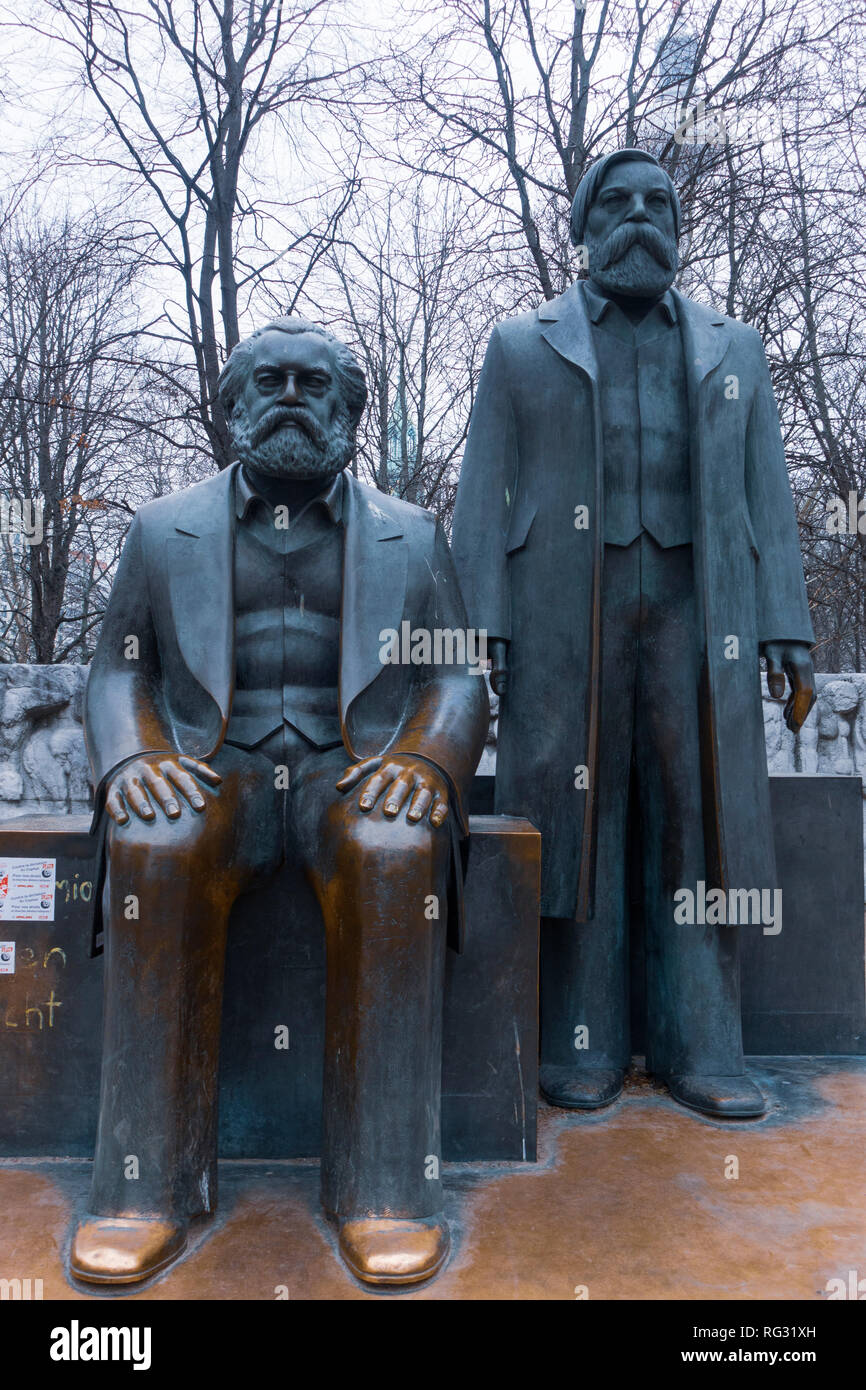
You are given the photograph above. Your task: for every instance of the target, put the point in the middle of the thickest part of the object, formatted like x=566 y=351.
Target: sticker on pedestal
x=27 y=890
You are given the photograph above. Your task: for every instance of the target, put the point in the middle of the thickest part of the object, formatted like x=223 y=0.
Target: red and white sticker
x=27 y=890
x=7 y=957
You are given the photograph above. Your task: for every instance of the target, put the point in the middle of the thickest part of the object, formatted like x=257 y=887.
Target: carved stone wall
x=832 y=742
x=43 y=764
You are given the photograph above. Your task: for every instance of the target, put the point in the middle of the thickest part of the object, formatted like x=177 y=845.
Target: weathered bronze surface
x=624 y=530
x=238 y=713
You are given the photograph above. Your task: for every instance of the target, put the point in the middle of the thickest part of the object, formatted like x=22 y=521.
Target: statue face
x=630 y=238
x=290 y=420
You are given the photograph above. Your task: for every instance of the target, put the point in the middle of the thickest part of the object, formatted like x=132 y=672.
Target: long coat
x=174 y=593
x=530 y=570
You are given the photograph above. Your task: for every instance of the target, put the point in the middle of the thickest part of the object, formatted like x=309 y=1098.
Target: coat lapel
x=375 y=569
x=705 y=338
x=567 y=329
x=201 y=563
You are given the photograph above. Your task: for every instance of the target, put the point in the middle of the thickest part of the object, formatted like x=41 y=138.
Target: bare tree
x=514 y=99
x=403 y=293
x=69 y=396
x=186 y=96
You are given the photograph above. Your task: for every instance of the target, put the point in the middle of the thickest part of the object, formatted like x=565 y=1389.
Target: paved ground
x=633 y=1203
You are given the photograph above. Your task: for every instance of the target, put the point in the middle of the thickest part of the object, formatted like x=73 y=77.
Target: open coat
x=530 y=568
x=172 y=690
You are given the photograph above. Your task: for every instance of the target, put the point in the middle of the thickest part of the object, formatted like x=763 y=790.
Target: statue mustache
x=661 y=248
x=289 y=415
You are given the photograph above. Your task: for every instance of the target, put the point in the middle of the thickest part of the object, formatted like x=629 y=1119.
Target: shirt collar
x=598 y=304
x=331 y=496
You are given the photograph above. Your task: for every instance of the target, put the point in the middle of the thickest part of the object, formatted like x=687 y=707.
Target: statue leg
x=694 y=1032
x=585 y=1035
x=382 y=887
x=169 y=889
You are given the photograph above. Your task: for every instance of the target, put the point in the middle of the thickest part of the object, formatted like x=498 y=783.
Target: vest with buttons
x=287 y=629
x=645 y=429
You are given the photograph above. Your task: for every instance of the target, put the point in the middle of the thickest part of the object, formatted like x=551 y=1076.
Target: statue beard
x=636 y=260
x=289 y=442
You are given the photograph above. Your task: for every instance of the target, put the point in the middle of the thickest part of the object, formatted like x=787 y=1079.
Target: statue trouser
x=169 y=890
x=649 y=732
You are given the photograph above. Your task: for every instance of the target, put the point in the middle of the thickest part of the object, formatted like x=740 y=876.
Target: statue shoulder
x=397 y=510
x=193 y=503
x=741 y=333
x=513 y=331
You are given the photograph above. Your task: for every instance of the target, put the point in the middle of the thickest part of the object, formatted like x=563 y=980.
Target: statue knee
x=376 y=840
x=159 y=840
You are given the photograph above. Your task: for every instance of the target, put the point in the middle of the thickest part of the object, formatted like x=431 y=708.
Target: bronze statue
x=238 y=672
x=624 y=530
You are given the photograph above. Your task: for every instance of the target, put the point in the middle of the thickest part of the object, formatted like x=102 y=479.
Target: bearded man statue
x=624 y=530
x=239 y=718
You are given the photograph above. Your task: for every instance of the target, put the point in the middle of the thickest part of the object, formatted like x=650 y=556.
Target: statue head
x=293 y=396
x=626 y=213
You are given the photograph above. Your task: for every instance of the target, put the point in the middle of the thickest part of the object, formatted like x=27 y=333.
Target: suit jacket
x=173 y=593
x=530 y=574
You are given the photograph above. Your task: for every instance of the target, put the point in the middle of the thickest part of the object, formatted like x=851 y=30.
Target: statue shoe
x=580 y=1088
x=124 y=1249
x=388 y=1250
x=723 y=1097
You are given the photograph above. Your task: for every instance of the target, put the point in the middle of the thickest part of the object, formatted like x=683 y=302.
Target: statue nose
x=290 y=394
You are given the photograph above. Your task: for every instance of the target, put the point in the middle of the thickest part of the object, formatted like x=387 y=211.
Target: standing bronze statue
x=238 y=672
x=624 y=530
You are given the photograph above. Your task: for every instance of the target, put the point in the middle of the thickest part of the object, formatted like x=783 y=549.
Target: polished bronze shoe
x=580 y=1088
x=722 y=1097
x=388 y=1250
x=124 y=1249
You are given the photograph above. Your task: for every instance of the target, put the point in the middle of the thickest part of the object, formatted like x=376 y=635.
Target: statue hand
x=791 y=659
x=162 y=775
x=498 y=649
x=401 y=778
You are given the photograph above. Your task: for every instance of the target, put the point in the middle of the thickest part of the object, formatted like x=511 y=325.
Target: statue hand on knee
x=398 y=780
x=157 y=778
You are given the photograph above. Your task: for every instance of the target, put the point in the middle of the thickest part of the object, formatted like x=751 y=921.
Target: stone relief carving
x=43 y=765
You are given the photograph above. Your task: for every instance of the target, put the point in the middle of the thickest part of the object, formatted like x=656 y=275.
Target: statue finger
x=184 y=783
x=798 y=708
x=800 y=673
x=138 y=799
x=398 y=792
x=115 y=807
x=201 y=770
x=162 y=792
x=376 y=785
x=775 y=678
x=439 y=811
x=419 y=804
x=352 y=776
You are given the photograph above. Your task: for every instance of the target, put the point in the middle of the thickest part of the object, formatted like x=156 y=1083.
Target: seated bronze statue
x=239 y=716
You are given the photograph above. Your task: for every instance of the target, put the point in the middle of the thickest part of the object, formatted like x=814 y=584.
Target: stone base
x=804 y=990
